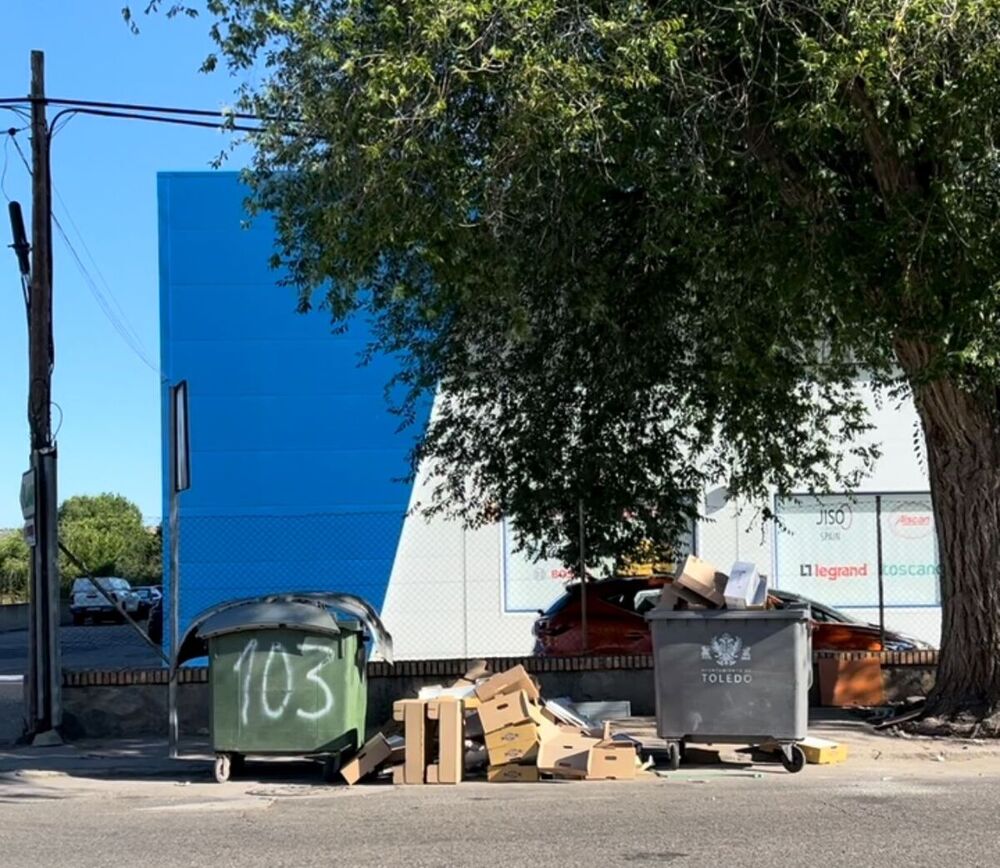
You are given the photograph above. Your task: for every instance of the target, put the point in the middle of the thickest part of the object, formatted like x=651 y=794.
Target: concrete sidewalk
x=147 y=759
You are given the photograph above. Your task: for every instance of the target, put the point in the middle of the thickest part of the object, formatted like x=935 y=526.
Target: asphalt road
x=914 y=814
x=94 y=646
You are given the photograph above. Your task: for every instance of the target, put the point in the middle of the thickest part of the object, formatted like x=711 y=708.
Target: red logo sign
x=833 y=572
x=911 y=525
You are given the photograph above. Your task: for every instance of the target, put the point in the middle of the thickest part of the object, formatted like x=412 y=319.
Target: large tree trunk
x=963 y=454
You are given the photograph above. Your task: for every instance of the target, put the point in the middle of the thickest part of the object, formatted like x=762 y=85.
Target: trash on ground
x=502 y=722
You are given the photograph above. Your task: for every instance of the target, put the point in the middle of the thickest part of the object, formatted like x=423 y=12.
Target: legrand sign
x=827 y=549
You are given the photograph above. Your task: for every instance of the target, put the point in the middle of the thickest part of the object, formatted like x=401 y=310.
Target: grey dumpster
x=727 y=676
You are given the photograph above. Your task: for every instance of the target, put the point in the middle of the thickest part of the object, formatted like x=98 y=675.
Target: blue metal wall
x=295 y=458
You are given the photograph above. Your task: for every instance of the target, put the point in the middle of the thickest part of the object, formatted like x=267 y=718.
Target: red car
x=616 y=622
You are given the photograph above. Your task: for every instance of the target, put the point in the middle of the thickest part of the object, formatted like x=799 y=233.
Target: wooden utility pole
x=44 y=683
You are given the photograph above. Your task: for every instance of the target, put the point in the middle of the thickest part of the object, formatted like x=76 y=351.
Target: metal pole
x=465 y=592
x=175 y=595
x=583 y=584
x=180 y=479
x=881 y=584
x=50 y=551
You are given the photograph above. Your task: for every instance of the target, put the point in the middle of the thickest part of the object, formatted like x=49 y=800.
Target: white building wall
x=446 y=593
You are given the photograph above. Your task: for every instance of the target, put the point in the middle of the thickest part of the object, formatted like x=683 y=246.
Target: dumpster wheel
x=223 y=767
x=793 y=759
x=673 y=756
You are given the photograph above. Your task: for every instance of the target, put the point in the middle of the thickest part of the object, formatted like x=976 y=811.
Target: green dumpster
x=286 y=676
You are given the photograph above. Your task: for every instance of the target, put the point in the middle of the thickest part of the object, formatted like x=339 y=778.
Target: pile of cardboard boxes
x=699 y=585
x=524 y=738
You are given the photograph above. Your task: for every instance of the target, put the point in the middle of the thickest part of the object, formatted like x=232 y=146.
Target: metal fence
x=872 y=556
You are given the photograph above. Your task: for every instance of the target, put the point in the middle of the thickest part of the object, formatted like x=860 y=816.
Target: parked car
x=616 y=622
x=147 y=595
x=154 y=624
x=86 y=601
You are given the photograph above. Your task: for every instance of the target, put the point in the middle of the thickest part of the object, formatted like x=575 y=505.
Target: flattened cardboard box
x=413 y=713
x=512 y=774
x=508 y=709
x=450 y=717
x=375 y=752
x=509 y=681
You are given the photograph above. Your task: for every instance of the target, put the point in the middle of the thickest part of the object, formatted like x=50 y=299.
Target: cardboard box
x=821 y=752
x=413 y=714
x=510 y=681
x=513 y=743
x=611 y=760
x=450 y=717
x=512 y=774
x=669 y=598
x=701 y=756
x=508 y=709
x=564 y=753
x=398 y=775
x=479 y=669
x=375 y=752
x=741 y=588
x=703 y=578
x=818 y=751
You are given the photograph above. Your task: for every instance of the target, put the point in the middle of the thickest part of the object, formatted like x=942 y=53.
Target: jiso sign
x=827 y=548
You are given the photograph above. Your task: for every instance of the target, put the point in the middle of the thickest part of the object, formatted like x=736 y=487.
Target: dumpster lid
x=792 y=612
x=268 y=615
x=315 y=611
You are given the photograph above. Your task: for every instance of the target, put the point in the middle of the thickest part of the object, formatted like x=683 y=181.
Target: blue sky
x=104 y=170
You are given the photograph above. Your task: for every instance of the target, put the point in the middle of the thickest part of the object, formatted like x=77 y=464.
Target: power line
x=20 y=111
x=154 y=113
x=97 y=268
x=124 y=329
x=3 y=172
x=224 y=127
x=139 y=107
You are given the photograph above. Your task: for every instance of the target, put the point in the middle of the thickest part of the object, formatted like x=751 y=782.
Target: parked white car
x=86 y=601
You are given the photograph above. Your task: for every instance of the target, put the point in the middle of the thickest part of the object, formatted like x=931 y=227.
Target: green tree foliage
x=15 y=567
x=106 y=533
x=641 y=246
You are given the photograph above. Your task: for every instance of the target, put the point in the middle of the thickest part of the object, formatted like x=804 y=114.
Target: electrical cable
x=138 y=107
x=22 y=113
x=102 y=302
x=124 y=330
x=62 y=417
x=97 y=268
x=222 y=127
x=140 y=111
x=3 y=172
